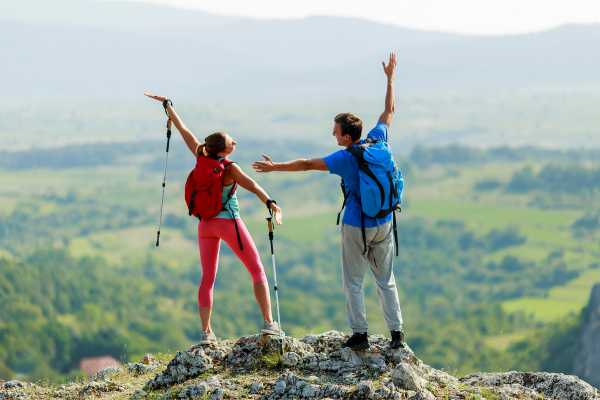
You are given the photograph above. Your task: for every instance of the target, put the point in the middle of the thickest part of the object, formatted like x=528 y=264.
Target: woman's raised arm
x=188 y=137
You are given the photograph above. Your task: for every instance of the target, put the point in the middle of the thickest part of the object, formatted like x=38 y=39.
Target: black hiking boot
x=397 y=339
x=358 y=341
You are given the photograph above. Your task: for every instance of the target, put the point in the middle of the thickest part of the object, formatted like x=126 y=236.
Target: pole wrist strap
x=269 y=203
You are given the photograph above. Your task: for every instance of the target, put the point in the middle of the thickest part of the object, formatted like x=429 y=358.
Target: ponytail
x=200 y=149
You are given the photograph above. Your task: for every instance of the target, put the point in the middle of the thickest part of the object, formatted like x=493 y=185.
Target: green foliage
x=487 y=185
x=554 y=178
x=456 y=154
x=587 y=224
x=56 y=310
x=498 y=239
x=551 y=348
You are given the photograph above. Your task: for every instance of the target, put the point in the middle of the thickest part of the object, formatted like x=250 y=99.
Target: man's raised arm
x=267 y=165
x=390 y=72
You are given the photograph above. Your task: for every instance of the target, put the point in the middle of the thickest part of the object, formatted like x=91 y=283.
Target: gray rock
x=326 y=342
x=193 y=391
x=423 y=395
x=256 y=387
x=99 y=387
x=334 y=391
x=186 y=365
x=106 y=373
x=218 y=394
x=213 y=381
x=310 y=391
x=137 y=369
x=396 y=396
x=251 y=352
x=299 y=385
x=290 y=359
x=405 y=377
x=12 y=395
x=364 y=389
x=14 y=384
x=279 y=387
x=549 y=385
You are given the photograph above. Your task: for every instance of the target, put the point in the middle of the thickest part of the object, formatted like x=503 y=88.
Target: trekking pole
x=164 y=182
x=275 y=286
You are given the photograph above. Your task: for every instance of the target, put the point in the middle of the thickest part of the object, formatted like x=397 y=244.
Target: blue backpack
x=380 y=181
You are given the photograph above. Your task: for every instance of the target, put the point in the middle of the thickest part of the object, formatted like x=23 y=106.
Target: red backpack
x=204 y=187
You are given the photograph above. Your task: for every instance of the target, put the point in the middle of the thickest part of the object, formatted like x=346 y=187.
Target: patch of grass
x=132 y=245
x=489 y=394
x=560 y=301
x=271 y=360
x=502 y=342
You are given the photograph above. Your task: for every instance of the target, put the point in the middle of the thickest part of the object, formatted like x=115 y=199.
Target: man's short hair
x=350 y=124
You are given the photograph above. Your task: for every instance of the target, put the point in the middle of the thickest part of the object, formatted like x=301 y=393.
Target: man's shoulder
x=339 y=161
x=379 y=132
x=338 y=155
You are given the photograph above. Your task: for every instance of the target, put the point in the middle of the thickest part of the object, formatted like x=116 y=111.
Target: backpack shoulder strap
x=346 y=194
x=226 y=165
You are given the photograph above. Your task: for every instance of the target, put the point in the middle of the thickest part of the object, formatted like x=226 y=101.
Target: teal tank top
x=232 y=207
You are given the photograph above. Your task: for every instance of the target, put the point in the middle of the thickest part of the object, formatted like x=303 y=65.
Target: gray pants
x=380 y=259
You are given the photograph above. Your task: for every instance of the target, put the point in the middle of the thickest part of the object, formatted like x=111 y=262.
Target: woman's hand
x=155 y=97
x=277 y=213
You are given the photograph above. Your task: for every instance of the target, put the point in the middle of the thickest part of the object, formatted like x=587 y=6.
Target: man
x=378 y=231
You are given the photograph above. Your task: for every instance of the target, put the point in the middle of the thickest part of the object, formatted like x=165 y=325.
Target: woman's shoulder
x=233 y=171
x=232 y=166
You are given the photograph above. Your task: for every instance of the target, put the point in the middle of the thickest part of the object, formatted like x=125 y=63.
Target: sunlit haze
x=464 y=16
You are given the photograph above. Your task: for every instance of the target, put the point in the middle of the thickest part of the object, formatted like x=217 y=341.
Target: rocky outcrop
x=314 y=367
x=550 y=385
x=587 y=363
x=318 y=367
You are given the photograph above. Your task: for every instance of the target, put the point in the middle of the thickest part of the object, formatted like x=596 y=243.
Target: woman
x=211 y=231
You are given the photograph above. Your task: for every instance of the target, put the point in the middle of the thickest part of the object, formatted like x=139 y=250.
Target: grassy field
x=560 y=301
x=446 y=194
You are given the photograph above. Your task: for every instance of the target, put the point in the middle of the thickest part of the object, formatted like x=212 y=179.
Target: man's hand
x=390 y=68
x=264 y=166
x=390 y=72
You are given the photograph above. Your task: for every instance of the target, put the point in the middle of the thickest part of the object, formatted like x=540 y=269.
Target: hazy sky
x=468 y=16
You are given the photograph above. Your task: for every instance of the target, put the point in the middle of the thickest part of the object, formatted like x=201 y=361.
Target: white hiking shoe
x=207 y=338
x=272 y=328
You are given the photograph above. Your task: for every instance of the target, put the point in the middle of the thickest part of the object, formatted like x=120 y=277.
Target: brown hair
x=350 y=124
x=214 y=144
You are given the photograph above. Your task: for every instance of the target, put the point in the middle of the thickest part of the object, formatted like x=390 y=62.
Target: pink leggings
x=210 y=233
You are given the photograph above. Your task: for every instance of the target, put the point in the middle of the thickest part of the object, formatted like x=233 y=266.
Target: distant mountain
x=109 y=49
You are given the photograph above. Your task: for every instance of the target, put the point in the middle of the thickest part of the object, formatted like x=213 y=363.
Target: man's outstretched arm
x=267 y=165
x=390 y=72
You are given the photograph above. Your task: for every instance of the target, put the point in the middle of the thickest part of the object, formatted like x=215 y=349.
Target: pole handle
x=168 y=139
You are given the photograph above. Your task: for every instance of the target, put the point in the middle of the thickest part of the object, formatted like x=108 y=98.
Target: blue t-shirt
x=344 y=164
